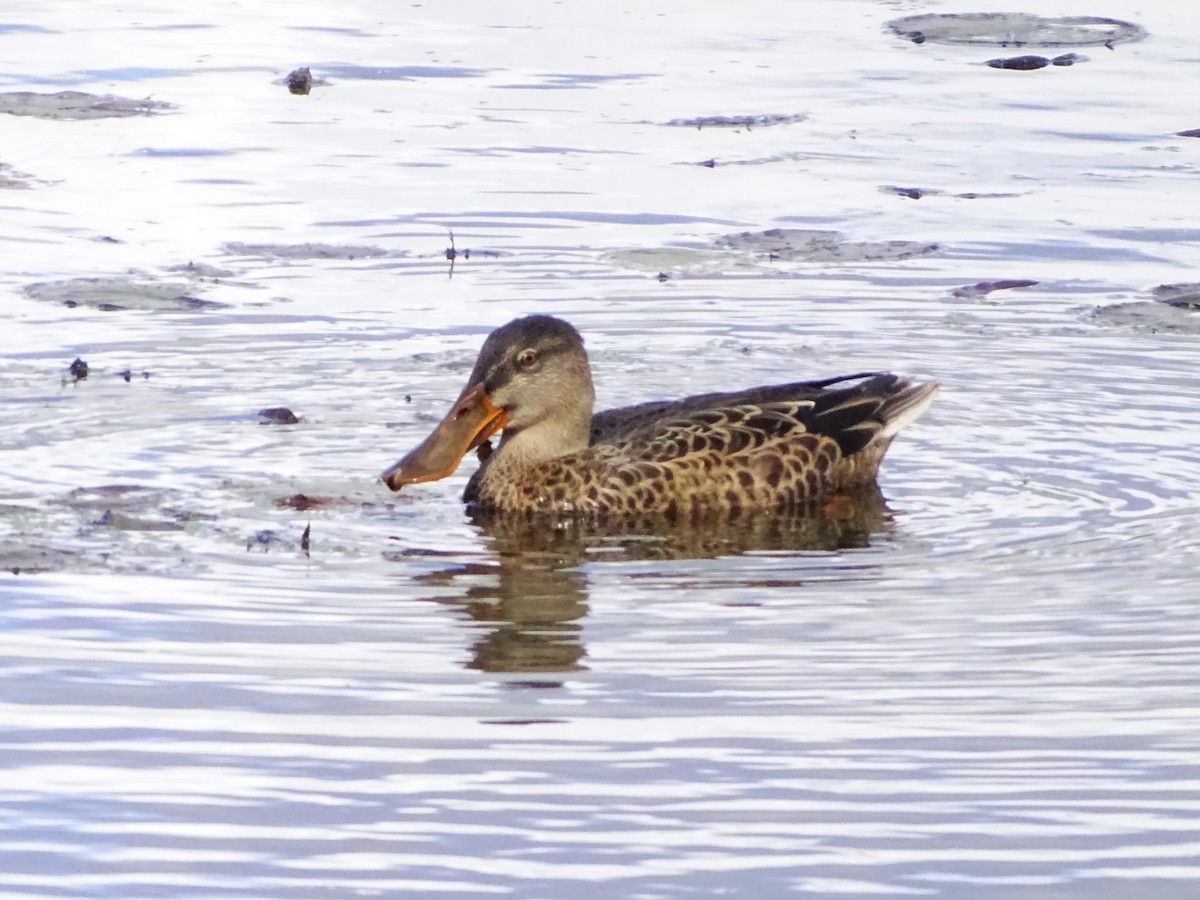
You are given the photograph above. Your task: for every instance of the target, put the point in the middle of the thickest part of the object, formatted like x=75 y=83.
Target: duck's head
x=532 y=380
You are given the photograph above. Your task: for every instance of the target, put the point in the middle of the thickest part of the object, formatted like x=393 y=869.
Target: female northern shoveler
x=783 y=446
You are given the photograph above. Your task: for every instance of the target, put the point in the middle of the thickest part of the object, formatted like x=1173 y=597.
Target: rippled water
x=985 y=689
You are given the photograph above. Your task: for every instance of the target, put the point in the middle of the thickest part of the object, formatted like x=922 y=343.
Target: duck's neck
x=548 y=439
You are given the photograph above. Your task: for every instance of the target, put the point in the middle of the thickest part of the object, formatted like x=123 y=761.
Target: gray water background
x=991 y=695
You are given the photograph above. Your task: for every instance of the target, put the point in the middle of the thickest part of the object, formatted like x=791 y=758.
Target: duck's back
x=772 y=447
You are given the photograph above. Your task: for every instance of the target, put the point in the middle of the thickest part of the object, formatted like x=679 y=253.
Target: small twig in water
x=452 y=253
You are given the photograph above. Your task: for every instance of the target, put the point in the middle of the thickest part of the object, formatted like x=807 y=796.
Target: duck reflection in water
x=529 y=591
x=530 y=588
x=777 y=467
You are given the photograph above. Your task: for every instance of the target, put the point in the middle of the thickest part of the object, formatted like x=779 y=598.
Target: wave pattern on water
x=247 y=670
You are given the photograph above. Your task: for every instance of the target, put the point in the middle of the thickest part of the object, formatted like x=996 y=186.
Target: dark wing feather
x=745 y=420
x=615 y=424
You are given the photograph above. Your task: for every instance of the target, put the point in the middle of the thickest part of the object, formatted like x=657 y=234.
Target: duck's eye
x=527 y=359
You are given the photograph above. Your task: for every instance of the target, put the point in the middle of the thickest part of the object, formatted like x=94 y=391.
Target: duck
x=775 y=447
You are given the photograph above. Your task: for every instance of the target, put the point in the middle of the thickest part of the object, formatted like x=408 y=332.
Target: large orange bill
x=472 y=420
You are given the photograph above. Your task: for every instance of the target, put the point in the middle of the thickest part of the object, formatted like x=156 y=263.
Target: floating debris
x=736 y=122
x=917 y=193
x=76 y=105
x=265 y=539
x=1016 y=30
x=802 y=245
x=1148 y=316
x=300 y=81
x=304 y=538
x=761 y=251
x=117 y=293
x=983 y=288
x=975 y=195
x=120 y=521
x=128 y=375
x=1020 y=63
x=750 y=249
x=278 y=415
x=1185 y=295
x=1194 y=132
x=302 y=502
x=453 y=253
x=1028 y=63
x=303 y=251
x=910 y=193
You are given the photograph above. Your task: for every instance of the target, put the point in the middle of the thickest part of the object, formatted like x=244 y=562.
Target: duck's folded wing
x=616 y=424
x=741 y=421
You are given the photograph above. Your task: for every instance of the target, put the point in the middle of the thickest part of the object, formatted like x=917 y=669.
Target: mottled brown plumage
x=774 y=447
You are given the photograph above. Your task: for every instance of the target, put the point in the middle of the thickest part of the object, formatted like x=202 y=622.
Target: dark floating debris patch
x=1020 y=63
x=300 y=81
x=735 y=122
x=909 y=193
x=1185 y=295
x=304 y=251
x=1015 y=30
x=76 y=105
x=265 y=540
x=983 y=288
x=129 y=373
x=117 y=293
x=76 y=372
x=1194 y=132
x=1028 y=63
x=278 y=415
x=917 y=193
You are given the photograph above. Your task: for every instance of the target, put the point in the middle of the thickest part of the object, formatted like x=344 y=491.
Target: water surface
x=985 y=689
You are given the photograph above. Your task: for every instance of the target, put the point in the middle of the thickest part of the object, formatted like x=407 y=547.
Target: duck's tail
x=906 y=402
